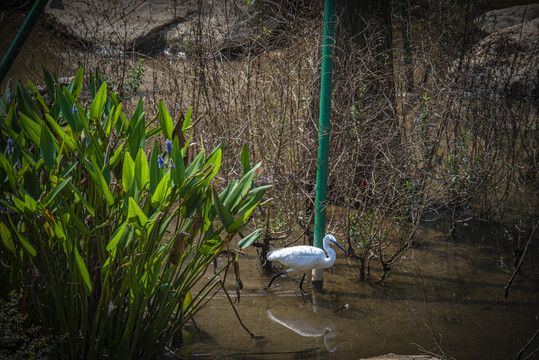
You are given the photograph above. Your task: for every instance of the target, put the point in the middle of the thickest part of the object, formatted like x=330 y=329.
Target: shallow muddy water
x=437 y=298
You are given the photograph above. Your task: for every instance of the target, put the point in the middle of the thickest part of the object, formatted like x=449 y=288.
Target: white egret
x=305 y=258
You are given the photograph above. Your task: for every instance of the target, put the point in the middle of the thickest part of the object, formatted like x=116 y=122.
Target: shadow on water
x=437 y=297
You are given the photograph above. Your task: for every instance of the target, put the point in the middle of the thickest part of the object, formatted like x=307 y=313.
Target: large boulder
x=506 y=61
x=148 y=26
x=500 y=19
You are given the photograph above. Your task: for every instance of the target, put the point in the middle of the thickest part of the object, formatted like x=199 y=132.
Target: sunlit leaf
x=252 y=198
x=187 y=300
x=113 y=118
x=187 y=121
x=61 y=133
x=113 y=243
x=117 y=156
x=196 y=165
x=245 y=162
x=167 y=126
x=241 y=189
x=210 y=246
x=128 y=171
x=240 y=221
x=222 y=211
x=162 y=192
x=135 y=216
x=142 y=170
x=250 y=239
x=98 y=104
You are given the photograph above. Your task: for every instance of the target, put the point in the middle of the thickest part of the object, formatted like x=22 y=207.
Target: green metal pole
x=323 y=133
x=21 y=37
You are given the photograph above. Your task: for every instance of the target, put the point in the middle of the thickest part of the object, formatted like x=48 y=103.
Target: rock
x=147 y=26
x=506 y=61
x=500 y=19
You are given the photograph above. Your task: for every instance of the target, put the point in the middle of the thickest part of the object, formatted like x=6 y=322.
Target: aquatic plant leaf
x=245 y=162
x=5 y=165
x=61 y=133
x=178 y=172
x=241 y=189
x=47 y=147
x=30 y=205
x=83 y=270
x=112 y=119
x=128 y=171
x=50 y=196
x=109 y=198
x=49 y=83
x=142 y=170
x=167 y=126
x=115 y=239
x=98 y=104
x=250 y=239
x=240 y=221
x=155 y=172
x=210 y=246
x=187 y=120
x=187 y=300
x=196 y=165
x=116 y=157
x=67 y=112
x=162 y=192
x=5 y=234
x=252 y=198
x=85 y=202
x=223 y=213
x=135 y=216
x=76 y=83
x=33 y=129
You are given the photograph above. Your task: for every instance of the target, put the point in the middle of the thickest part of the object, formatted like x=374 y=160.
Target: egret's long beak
x=339 y=246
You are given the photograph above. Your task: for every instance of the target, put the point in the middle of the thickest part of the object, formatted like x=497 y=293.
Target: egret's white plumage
x=305 y=257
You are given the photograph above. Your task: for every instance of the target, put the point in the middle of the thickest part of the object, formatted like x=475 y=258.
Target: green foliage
x=111 y=239
x=17 y=339
x=365 y=230
x=135 y=78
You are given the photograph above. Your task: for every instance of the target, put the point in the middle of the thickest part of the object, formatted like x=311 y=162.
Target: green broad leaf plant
x=107 y=236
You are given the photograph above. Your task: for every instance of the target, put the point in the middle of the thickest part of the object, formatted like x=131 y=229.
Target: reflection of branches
x=438 y=351
x=517 y=268
x=521 y=352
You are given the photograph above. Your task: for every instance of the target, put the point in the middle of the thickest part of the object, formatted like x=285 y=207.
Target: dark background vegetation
x=427 y=121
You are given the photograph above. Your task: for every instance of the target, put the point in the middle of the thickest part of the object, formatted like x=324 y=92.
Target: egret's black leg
x=301 y=282
x=274 y=277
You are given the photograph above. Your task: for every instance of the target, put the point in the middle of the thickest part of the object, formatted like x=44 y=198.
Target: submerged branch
x=517 y=268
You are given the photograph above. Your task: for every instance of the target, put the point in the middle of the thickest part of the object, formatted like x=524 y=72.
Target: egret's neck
x=330 y=258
